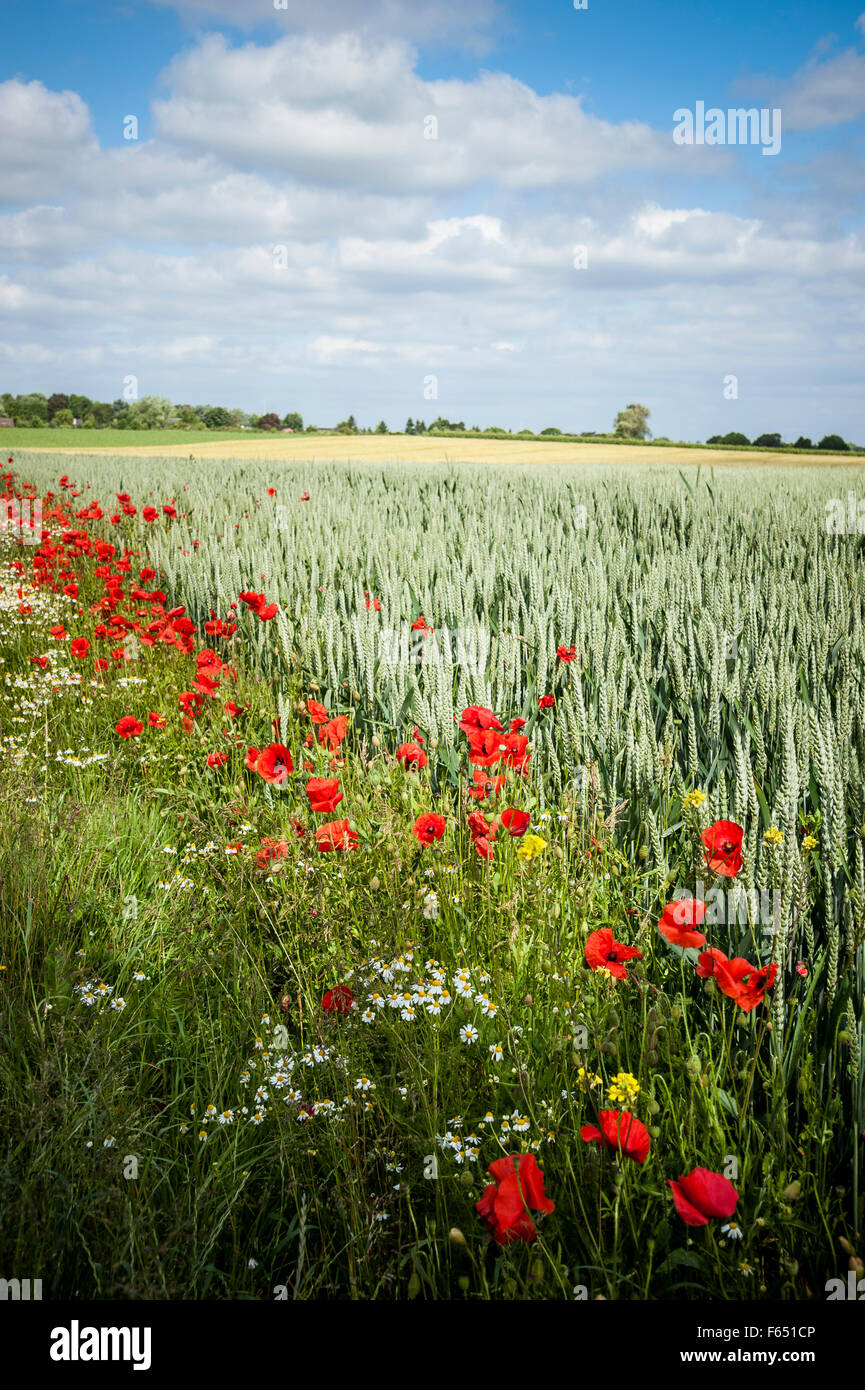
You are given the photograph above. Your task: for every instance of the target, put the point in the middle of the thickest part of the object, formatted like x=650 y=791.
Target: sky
x=481 y=209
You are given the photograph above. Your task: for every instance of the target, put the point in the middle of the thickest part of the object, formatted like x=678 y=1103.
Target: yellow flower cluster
x=531 y=847
x=623 y=1089
x=694 y=800
x=773 y=835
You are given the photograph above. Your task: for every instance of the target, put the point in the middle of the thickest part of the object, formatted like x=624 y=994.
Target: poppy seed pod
x=792 y=1191
x=845 y=1245
x=457 y=1237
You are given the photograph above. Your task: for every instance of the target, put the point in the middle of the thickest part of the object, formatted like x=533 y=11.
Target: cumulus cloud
x=288 y=236
x=350 y=114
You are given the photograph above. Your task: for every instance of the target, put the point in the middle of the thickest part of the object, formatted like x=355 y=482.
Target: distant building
x=6 y=422
x=77 y=423
x=287 y=429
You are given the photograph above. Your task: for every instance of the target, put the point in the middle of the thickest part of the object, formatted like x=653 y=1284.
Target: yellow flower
x=694 y=800
x=531 y=847
x=809 y=842
x=774 y=835
x=623 y=1089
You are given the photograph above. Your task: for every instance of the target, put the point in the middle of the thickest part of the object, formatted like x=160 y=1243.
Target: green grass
x=71 y=438
x=774 y=1096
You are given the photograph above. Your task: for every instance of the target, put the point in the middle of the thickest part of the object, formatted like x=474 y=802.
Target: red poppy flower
x=428 y=827
x=40 y=661
x=129 y=726
x=516 y=725
x=336 y=834
x=58 y=632
x=546 y=701
x=324 y=794
x=149 y=513
x=304 y=497
x=333 y=732
x=603 y=952
x=620 y=1131
x=566 y=654
x=217 y=759
x=746 y=984
x=156 y=721
x=518 y=1189
x=317 y=713
x=723 y=842
x=274 y=764
x=478 y=717
x=484 y=785
x=231 y=709
x=678 y=919
x=411 y=753
x=338 y=1000
x=516 y=823
x=703 y=1195
x=252 y=757
x=271 y=849
x=80 y=647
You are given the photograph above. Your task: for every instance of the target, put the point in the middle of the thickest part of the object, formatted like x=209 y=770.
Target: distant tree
x=148 y=413
x=833 y=442
x=714 y=439
x=293 y=421
x=803 y=442
x=217 y=418
x=734 y=437
x=551 y=430
x=381 y=428
x=348 y=426
x=420 y=427
x=768 y=441
x=80 y=406
x=631 y=423
x=62 y=418
x=270 y=421
x=57 y=402
x=32 y=407
x=102 y=413
x=409 y=426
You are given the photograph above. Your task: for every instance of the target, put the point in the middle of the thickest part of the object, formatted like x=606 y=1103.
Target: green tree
x=80 y=406
x=348 y=426
x=768 y=441
x=217 y=418
x=293 y=421
x=149 y=413
x=62 y=418
x=381 y=428
x=632 y=422
x=270 y=421
x=803 y=442
x=734 y=437
x=57 y=402
x=833 y=442
x=409 y=426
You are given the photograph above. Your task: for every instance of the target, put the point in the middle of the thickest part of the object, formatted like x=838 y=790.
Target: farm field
x=395 y=448
x=432 y=883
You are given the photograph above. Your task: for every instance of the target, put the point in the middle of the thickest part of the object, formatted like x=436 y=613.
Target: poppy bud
x=537 y=1272
x=845 y=1245
x=693 y=1066
x=855 y=1264
x=457 y=1237
x=528 y=1000
x=463 y=1283
x=676 y=1013
x=314 y=686
x=376 y=741
x=414 y=1284
x=792 y=1191
x=643 y=852
x=467 y=1178
x=285 y=1003
x=651 y=1057
x=710 y=988
x=355 y=695
x=792 y=1267
x=375 y=885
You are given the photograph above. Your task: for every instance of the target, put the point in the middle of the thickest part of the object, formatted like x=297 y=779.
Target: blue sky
x=406 y=260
